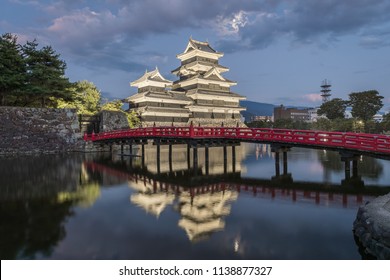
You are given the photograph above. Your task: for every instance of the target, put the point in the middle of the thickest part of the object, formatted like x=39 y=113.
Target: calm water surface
x=102 y=206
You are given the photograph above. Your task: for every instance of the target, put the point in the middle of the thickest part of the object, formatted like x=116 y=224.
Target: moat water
x=104 y=206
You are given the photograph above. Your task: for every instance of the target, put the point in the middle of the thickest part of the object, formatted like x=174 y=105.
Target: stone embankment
x=38 y=130
x=50 y=131
x=372 y=227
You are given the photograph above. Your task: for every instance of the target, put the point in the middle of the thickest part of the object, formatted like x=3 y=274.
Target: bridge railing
x=348 y=140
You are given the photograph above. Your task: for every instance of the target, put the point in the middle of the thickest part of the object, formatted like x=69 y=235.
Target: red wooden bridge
x=358 y=142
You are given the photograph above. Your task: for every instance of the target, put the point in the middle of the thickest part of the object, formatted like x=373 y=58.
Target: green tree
x=12 y=68
x=333 y=109
x=133 y=118
x=261 y=123
x=342 y=125
x=322 y=124
x=365 y=104
x=86 y=98
x=115 y=105
x=46 y=81
x=284 y=123
x=386 y=123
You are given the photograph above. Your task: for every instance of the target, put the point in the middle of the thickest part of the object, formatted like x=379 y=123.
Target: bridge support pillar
x=285 y=162
x=206 y=155
x=224 y=158
x=158 y=155
x=277 y=164
x=188 y=156
x=195 y=151
x=131 y=148
x=143 y=155
x=234 y=158
x=347 y=164
x=354 y=168
x=354 y=180
x=277 y=149
x=170 y=157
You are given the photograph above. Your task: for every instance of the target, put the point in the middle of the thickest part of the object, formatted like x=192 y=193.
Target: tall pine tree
x=46 y=81
x=12 y=69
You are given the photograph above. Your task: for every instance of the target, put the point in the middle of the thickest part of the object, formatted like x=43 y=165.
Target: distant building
x=378 y=117
x=200 y=96
x=295 y=114
x=261 y=118
x=313 y=114
x=348 y=113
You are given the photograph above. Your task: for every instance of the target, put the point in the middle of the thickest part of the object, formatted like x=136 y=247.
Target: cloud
x=308 y=22
x=97 y=32
x=26 y=2
x=312 y=97
x=231 y=25
x=376 y=38
x=115 y=29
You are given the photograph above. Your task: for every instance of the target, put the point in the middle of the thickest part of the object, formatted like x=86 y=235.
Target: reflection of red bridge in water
x=358 y=142
x=301 y=192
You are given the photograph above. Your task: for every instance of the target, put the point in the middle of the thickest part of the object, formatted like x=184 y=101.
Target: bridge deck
x=363 y=142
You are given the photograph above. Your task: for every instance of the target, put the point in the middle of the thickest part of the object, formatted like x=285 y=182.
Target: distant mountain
x=256 y=109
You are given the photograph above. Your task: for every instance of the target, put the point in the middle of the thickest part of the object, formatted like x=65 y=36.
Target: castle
x=200 y=96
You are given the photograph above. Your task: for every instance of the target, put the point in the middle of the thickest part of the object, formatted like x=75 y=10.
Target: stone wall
x=372 y=227
x=39 y=130
x=111 y=120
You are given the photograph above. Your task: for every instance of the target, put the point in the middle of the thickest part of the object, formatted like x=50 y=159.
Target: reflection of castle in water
x=201 y=214
x=203 y=201
x=146 y=197
x=263 y=151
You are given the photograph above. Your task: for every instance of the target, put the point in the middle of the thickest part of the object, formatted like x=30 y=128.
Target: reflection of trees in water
x=86 y=193
x=85 y=196
x=38 y=176
x=36 y=200
x=367 y=166
x=370 y=167
x=32 y=227
x=330 y=160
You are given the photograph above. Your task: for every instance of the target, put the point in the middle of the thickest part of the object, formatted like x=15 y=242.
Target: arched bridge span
x=375 y=144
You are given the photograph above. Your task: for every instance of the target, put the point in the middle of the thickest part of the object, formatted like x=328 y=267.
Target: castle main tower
x=200 y=76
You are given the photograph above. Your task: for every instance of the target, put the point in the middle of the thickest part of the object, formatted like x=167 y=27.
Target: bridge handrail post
x=222 y=130
x=154 y=130
x=237 y=132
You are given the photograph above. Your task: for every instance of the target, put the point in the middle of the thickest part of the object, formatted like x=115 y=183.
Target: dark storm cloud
x=99 y=30
x=308 y=21
x=95 y=30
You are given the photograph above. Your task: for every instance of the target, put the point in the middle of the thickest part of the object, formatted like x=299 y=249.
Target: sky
x=278 y=51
